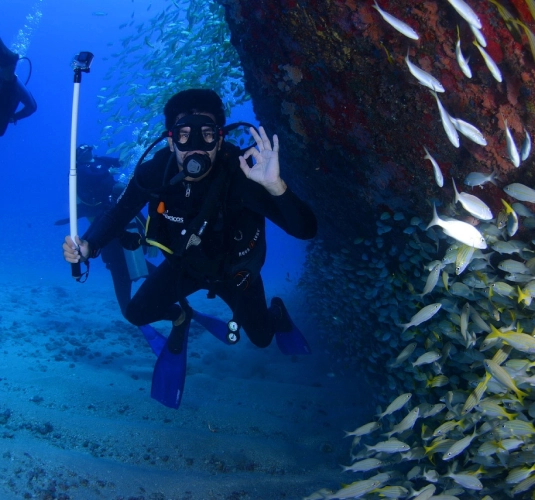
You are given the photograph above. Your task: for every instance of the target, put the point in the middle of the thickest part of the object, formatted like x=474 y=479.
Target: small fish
x=466 y=481
x=526 y=147
x=407 y=423
x=390 y=446
x=512 y=219
x=513 y=266
x=423 y=77
x=520 y=192
x=468 y=130
x=491 y=65
x=460 y=231
x=425 y=493
x=512 y=152
x=363 y=465
x=446 y=427
x=519 y=474
x=466 y=12
x=422 y=315
x=365 y=429
x=397 y=404
x=458 y=447
x=478 y=179
x=436 y=169
x=404 y=355
x=445 y=280
x=391 y=492
x=478 y=36
x=463 y=64
x=464 y=257
x=475 y=396
x=492 y=409
x=99 y=13
x=449 y=128
x=427 y=358
x=503 y=377
x=472 y=204
x=356 y=489
x=432 y=279
x=402 y=27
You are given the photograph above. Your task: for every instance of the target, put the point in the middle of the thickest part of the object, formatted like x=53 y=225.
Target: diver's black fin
x=291 y=341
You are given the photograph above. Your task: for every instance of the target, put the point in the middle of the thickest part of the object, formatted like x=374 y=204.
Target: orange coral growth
x=513 y=89
x=494 y=50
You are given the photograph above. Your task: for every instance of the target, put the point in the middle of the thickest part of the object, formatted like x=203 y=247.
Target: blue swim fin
x=291 y=341
x=155 y=339
x=170 y=374
x=217 y=327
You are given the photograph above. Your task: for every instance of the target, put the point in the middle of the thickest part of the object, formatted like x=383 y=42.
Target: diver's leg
x=113 y=256
x=250 y=311
x=156 y=298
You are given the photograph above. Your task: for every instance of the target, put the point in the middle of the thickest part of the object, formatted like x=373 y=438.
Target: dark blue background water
x=34 y=154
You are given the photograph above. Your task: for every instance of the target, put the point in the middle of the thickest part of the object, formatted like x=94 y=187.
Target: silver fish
x=422 y=315
x=458 y=447
x=461 y=231
x=526 y=147
x=397 y=404
x=424 y=77
x=402 y=27
x=512 y=152
x=491 y=65
x=364 y=429
x=478 y=36
x=407 y=423
x=432 y=279
x=390 y=446
x=427 y=358
x=404 y=355
x=436 y=169
x=478 y=179
x=466 y=12
x=363 y=465
x=449 y=128
x=466 y=481
x=473 y=204
x=468 y=130
x=463 y=64
x=520 y=192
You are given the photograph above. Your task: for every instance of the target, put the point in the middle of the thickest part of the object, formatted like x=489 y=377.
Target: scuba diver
x=207 y=206
x=97 y=193
x=12 y=91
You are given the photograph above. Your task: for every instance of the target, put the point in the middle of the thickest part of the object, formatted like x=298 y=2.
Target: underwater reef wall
x=330 y=77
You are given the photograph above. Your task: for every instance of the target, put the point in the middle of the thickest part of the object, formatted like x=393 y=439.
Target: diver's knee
x=131 y=314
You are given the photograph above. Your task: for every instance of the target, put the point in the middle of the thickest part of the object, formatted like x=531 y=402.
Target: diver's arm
x=113 y=221
x=27 y=100
x=287 y=210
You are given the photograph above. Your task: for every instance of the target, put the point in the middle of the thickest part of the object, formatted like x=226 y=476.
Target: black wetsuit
x=235 y=230
x=13 y=93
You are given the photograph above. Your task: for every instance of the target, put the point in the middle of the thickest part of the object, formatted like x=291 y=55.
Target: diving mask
x=196 y=133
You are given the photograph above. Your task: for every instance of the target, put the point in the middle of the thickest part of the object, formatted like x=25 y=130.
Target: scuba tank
x=136 y=263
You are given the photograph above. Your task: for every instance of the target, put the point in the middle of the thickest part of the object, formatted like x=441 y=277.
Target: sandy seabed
x=77 y=420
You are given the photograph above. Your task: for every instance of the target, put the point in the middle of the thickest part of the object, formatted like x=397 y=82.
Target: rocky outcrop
x=331 y=79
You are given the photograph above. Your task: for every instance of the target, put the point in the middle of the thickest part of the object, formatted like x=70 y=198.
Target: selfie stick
x=80 y=64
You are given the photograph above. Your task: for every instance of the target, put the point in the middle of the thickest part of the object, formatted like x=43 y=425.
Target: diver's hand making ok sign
x=266 y=169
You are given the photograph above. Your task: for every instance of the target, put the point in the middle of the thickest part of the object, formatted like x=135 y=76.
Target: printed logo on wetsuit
x=252 y=243
x=172 y=218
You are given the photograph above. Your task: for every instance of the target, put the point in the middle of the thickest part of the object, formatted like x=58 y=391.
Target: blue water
x=255 y=403
x=34 y=154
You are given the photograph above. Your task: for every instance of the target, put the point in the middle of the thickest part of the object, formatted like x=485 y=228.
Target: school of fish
x=446 y=320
